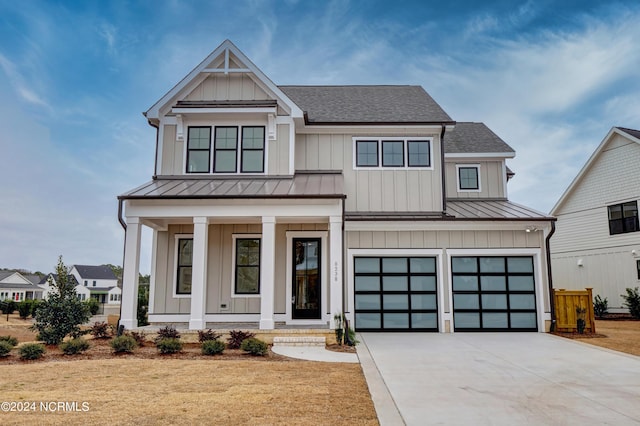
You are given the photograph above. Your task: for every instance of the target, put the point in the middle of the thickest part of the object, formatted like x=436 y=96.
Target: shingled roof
x=468 y=138
x=91 y=272
x=632 y=132
x=366 y=104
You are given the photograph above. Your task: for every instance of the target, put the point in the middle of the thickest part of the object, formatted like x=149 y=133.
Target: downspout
x=552 y=307
x=444 y=172
x=155 y=159
x=124 y=243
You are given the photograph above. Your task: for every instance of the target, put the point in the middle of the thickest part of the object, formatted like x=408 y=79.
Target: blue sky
x=550 y=78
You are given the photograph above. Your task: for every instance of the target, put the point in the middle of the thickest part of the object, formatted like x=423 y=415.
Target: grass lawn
x=623 y=336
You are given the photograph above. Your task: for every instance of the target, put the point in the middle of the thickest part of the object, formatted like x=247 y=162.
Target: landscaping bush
x=7 y=306
x=93 y=305
x=31 y=351
x=212 y=347
x=139 y=336
x=10 y=340
x=206 y=335
x=236 y=337
x=35 y=305
x=254 y=346
x=5 y=348
x=168 y=332
x=74 y=346
x=632 y=301
x=169 y=345
x=600 y=306
x=100 y=330
x=24 y=309
x=124 y=343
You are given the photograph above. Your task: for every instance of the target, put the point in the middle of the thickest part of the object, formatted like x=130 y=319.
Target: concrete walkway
x=498 y=379
x=314 y=353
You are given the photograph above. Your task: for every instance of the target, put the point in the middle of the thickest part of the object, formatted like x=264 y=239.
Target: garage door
x=493 y=293
x=395 y=294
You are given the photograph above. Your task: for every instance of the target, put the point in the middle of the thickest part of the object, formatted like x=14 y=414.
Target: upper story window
x=623 y=218
x=393 y=153
x=468 y=177
x=228 y=154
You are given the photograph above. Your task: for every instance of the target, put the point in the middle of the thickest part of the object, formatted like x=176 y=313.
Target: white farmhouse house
x=99 y=281
x=285 y=205
x=597 y=241
x=18 y=287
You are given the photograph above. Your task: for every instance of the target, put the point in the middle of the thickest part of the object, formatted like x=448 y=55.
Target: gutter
x=552 y=307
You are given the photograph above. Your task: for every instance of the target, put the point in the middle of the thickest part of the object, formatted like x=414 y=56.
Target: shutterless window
x=418 y=153
x=252 y=150
x=247 y=266
x=468 y=177
x=367 y=153
x=623 y=218
x=392 y=153
x=185 y=264
x=198 y=149
x=638 y=268
x=225 y=150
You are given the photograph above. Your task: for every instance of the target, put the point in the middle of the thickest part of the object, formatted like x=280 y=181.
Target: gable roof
x=366 y=104
x=45 y=279
x=5 y=274
x=631 y=134
x=92 y=272
x=473 y=138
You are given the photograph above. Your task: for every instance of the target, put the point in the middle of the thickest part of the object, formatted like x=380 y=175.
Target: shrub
x=74 y=346
x=93 y=305
x=7 y=306
x=169 y=345
x=100 y=330
x=31 y=351
x=206 y=335
x=212 y=347
x=10 y=340
x=254 y=346
x=168 y=332
x=24 y=309
x=5 y=348
x=123 y=343
x=632 y=301
x=35 y=305
x=236 y=337
x=139 y=336
x=600 y=306
x=143 y=305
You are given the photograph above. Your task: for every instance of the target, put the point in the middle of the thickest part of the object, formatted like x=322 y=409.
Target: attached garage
x=494 y=293
x=395 y=293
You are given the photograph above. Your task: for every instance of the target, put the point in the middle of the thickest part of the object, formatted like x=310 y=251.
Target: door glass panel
x=522 y=301
x=367 y=265
x=396 y=320
x=367 y=283
x=422 y=264
x=423 y=301
x=521 y=283
x=367 y=301
x=494 y=320
x=465 y=283
x=307 y=279
x=466 y=320
x=395 y=284
x=424 y=320
x=465 y=301
x=523 y=320
x=422 y=283
x=494 y=301
x=392 y=264
x=395 y=301
x=491 y=283
x=364 y=320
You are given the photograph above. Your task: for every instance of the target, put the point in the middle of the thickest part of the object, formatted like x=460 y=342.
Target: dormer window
x=227 y=155
x=468 y=177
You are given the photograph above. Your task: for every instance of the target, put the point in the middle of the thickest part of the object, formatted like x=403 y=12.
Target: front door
x=306 y=292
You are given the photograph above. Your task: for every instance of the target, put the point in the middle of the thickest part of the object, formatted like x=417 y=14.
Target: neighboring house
x=45 y=284
x=291 y=204
x=597 y=241
x=18 y=287
x=100 y=281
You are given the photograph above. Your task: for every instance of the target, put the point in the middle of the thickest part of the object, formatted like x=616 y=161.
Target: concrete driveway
x=498 y=379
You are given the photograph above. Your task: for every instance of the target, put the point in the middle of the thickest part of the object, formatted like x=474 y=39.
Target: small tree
x=632 y=301
x=61 y=313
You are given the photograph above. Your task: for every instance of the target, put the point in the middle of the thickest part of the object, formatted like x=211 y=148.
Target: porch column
x=335 y=259
x=130 y=274
x=267 y=272
x=199 y=273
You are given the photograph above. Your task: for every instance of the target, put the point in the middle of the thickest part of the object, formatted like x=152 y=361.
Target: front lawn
x=623 y=336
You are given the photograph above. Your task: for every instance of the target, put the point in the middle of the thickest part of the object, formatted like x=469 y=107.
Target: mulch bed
x=576 y=335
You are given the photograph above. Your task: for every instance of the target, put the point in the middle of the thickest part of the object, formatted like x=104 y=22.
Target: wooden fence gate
x=572 y=305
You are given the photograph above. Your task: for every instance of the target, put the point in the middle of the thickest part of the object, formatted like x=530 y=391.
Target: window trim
x=621 y=206
x=241 y=149
x=468 y=166
x=177 y=238
x=235 y=238
x=405 y=149
x=186 y=162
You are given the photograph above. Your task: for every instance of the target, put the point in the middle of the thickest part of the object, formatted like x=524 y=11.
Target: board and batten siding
x=220 y=269
x=220 y=87
x=491 y=174
x=172 y=152
x=379 y=190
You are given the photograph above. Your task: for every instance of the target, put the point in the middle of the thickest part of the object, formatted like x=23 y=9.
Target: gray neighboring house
x=289 y=205
x=597 y=241
x=18 y=287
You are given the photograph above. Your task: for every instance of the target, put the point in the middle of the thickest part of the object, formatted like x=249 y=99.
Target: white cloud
x=20 y=85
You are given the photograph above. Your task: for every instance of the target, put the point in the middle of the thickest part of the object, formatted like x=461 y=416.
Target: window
x=198 y=149
x=392 y=152
x=638 y=268
x=86 y=283
x=94 y=283
x=247 y=266
x=252 y=150
x=184 y=266
x=623 y=218
x=226 y=144
x=468 y=177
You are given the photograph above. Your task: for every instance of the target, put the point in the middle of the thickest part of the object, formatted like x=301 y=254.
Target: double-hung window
x=396 y=153
x=247 y=266
x=198 y=149
x=623 y=218
x=184 y=265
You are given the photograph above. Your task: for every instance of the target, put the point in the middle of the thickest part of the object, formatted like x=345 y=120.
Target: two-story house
x=290 y=204
x=597 y=242
x=100 y=282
